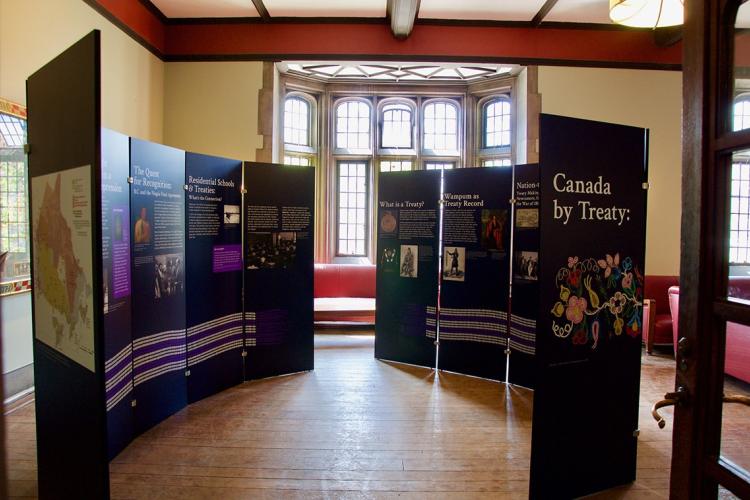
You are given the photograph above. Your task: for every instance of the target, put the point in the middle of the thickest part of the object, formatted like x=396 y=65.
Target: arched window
x=396 y=127
x=353 y=125
x=440 y=127
x=496 y=123
x=297 y=121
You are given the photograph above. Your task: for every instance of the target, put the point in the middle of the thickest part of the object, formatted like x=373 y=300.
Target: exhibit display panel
x=588 y=346
x=213 y=276
x=116 y=287
x=407 y=266
x=64 y=176
x=157 y=224
x=279 y=210
x=475 y=276
x=155 y=277
x=138 y=272
x=525 y=300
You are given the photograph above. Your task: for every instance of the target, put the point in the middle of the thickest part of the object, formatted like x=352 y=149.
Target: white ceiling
x=497 y=10
x=578 y=11
x=207 y=8
x=325 y=8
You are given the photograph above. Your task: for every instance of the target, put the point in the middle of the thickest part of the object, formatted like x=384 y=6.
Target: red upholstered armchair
x=657 y=318
x=737 y=357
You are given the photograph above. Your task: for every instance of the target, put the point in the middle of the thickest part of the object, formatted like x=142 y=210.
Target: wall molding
x=433 y=40
x=17 y=381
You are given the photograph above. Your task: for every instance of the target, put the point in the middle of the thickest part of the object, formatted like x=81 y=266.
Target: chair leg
x=651 y=326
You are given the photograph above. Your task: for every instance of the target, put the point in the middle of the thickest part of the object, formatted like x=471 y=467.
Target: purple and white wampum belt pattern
x=431 y=322
x=473 y=325
x=268 y=327
x=118 y=376
x=209 y=339
x=158 y=354
x=523 y=334
x=251 y=328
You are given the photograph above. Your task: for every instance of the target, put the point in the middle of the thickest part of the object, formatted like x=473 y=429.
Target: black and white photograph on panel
x=274 y=250
x=454 y=263
x=409 y=261
x=525 y=264
x=231 y=214
x=168 y=275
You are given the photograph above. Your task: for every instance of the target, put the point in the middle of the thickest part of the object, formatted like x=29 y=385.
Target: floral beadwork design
x=598 y=295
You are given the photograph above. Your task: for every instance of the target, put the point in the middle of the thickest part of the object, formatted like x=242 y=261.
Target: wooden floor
x=353 y=428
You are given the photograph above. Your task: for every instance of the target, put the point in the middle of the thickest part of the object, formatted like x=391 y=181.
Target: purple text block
x=227 y=258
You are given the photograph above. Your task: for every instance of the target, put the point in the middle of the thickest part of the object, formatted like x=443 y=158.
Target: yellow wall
x=650 y=99
x=212 y=107
x=32 y=32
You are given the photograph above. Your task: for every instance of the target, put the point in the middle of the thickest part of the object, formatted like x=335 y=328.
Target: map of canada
x=63 y=301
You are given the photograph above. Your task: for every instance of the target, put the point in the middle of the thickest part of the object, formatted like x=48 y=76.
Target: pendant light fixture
x=646 y=13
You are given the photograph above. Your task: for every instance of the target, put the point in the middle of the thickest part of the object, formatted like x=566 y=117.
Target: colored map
x=63 y=300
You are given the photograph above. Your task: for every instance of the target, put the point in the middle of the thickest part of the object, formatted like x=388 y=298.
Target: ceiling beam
x=539 y=17
x=262 y=11
x=401 y=15
x=154 y=10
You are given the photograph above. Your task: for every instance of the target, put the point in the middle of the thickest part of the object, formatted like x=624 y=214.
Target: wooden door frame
x=704 y=309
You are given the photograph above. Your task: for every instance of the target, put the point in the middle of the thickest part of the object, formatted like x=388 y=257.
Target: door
x=710 y=441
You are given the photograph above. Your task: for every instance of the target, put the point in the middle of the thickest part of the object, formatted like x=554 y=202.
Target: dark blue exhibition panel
x=157 y=225
x=407 y=266
x=593 y=220
x=64 y=124
x=118 y=343
x=475 y=271
x=214 y=274
x=279 y=210
x=525 y=300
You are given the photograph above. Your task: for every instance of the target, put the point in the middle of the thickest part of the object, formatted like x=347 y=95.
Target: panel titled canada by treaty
x=586 y=210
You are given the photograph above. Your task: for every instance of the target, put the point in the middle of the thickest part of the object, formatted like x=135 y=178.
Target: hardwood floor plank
x=357 y=428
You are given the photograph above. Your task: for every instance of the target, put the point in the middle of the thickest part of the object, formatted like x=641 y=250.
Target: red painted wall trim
x=433 y=42
x=139 y=20
x=206 y=40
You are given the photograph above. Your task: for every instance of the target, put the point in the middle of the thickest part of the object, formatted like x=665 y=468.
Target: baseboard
x=17 y=381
